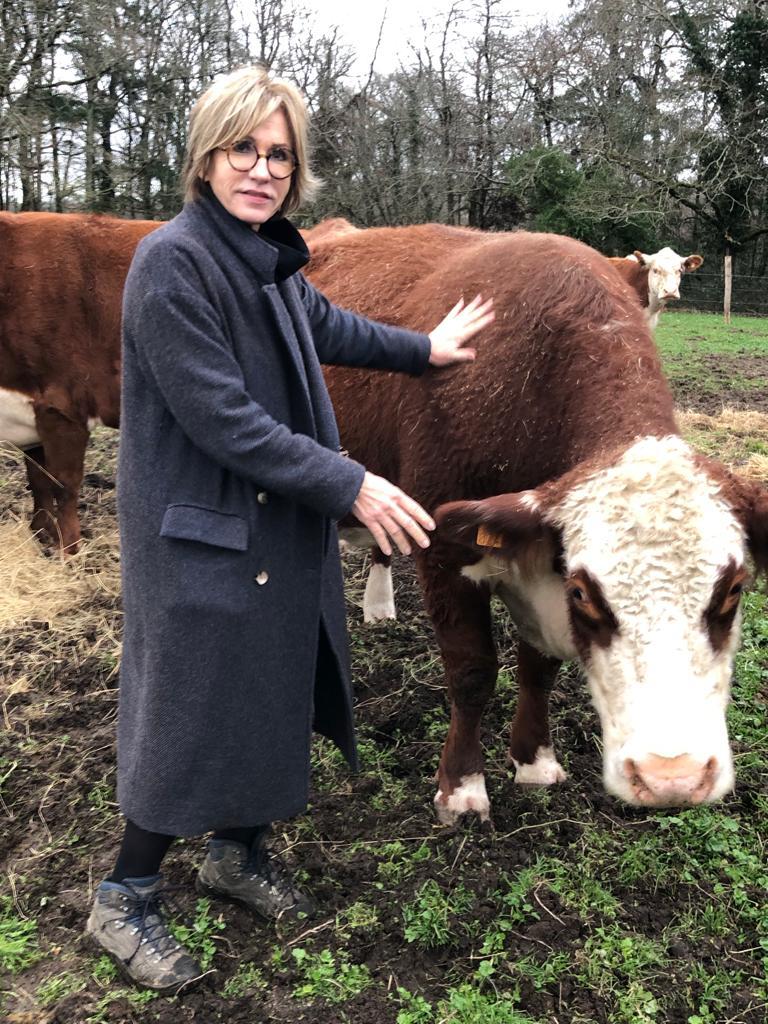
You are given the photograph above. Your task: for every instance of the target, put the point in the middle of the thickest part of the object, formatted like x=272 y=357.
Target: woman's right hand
x=391 y=515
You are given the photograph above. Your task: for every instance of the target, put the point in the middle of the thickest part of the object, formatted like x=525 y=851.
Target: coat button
x=262 y=578
x=262 y=497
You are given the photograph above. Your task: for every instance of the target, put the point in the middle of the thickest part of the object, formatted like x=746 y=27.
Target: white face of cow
x=654 y=559
x=652 y=568
x=665 y=269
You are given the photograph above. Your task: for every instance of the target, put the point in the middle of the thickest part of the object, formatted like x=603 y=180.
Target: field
x=570 y=909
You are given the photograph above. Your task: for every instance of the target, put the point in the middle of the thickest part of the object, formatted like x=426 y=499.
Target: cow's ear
x=749 y=501
x=641 y=258
x=506 y=523
x=755 y=522
x=691 y=263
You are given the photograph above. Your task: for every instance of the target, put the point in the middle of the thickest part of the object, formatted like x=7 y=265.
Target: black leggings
x=141 y=852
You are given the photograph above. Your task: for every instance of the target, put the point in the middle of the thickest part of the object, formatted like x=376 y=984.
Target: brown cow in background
x=61 y=285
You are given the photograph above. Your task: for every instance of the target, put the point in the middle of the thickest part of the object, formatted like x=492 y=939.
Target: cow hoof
x=469 y=797
x=378 y=613
x=546 y=770
x=379 y=597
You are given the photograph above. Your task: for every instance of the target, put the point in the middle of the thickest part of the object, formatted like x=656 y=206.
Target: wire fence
x=704 y=292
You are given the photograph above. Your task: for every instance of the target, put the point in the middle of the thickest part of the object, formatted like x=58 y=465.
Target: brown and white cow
x=617 y=544
x=61 y=284
x=655 y=278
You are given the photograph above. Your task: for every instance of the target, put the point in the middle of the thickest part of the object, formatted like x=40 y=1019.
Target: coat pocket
x=205 y=525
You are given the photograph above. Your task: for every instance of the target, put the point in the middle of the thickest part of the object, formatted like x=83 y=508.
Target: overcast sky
x=359 y=21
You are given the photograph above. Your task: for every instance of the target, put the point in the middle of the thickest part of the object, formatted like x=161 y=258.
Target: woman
x=230 y=479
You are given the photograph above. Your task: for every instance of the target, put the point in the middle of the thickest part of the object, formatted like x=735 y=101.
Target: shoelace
x=149 y=923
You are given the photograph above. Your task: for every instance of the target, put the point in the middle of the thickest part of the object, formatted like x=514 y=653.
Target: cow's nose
x=670 y=295
x=664 y=781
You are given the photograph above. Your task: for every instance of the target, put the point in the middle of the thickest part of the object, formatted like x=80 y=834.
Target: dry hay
x=56 y=615
x=756 y=468
x=729 y=436
x=49 y=588
x=742 y=422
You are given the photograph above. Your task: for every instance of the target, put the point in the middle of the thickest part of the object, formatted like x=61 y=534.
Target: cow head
x=665 y=268
x=650 y=556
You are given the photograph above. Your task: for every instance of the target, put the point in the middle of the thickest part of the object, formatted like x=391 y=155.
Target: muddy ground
x=717 y=380
x=568 y=898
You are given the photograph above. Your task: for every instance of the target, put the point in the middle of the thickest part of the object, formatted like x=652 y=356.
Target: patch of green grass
x=704 y=918
x=746 y=713
x=393 y=793
x=430 y=918
x=18 y=939
x=248 y=980
x=397 y=861
x=712 y=993
x=138 y=998
x=102 y=797
x=542 y=973
x=514 y=906
x=583 y=891
x=620 y=966
x=414 y=1008
x=687 y=340
x=54 y=989
x=199 y=935
x=331 y=978
x=467 y=1004
x=681 y=334
x=360 y=916
x=104 y=970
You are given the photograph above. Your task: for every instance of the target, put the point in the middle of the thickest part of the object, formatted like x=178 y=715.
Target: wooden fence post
x=728 y=279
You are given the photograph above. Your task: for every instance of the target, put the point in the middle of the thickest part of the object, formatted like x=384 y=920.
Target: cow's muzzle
x=671 y=781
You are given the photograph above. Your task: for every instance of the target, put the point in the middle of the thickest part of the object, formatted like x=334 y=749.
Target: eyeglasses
x=243 y=156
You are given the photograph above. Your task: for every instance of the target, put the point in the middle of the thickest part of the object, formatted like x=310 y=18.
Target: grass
x=199 y=935
x=433 y=918
x=18 y=939
x=680 y=333
x=703 y=356
x=328 y=977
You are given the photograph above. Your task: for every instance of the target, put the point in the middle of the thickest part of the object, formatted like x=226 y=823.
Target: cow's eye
x=735 y=590
x=577 y=594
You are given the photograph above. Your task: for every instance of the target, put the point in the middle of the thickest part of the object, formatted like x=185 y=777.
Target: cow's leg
x=461 y=614
x=42 y=487
x=530 y=744
x=64 y=441
x=379 y=597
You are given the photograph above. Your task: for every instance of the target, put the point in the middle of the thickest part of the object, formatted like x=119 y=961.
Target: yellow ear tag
x=486 y=539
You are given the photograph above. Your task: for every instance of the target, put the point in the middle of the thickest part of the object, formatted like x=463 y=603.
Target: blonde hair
x=231 y=109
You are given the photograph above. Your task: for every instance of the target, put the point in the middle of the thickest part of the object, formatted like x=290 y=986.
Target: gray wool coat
x=229 y=482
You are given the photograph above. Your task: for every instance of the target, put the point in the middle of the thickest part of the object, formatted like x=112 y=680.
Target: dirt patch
x=708 y=382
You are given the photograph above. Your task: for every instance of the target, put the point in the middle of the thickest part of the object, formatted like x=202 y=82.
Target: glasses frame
x=259 y=156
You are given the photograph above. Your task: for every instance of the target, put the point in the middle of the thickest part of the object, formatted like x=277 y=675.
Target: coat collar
x=274 y=252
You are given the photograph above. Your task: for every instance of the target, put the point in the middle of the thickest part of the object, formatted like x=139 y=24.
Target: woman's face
x=253 y=196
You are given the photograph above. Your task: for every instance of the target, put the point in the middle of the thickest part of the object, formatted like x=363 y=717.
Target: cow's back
x=61 y=282
x=569 y=364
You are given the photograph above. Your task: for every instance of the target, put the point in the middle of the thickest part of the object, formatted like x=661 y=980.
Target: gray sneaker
x=127 y=922
x=255 y=879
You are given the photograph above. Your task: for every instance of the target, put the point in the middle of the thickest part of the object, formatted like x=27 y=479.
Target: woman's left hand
x=451 y=335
